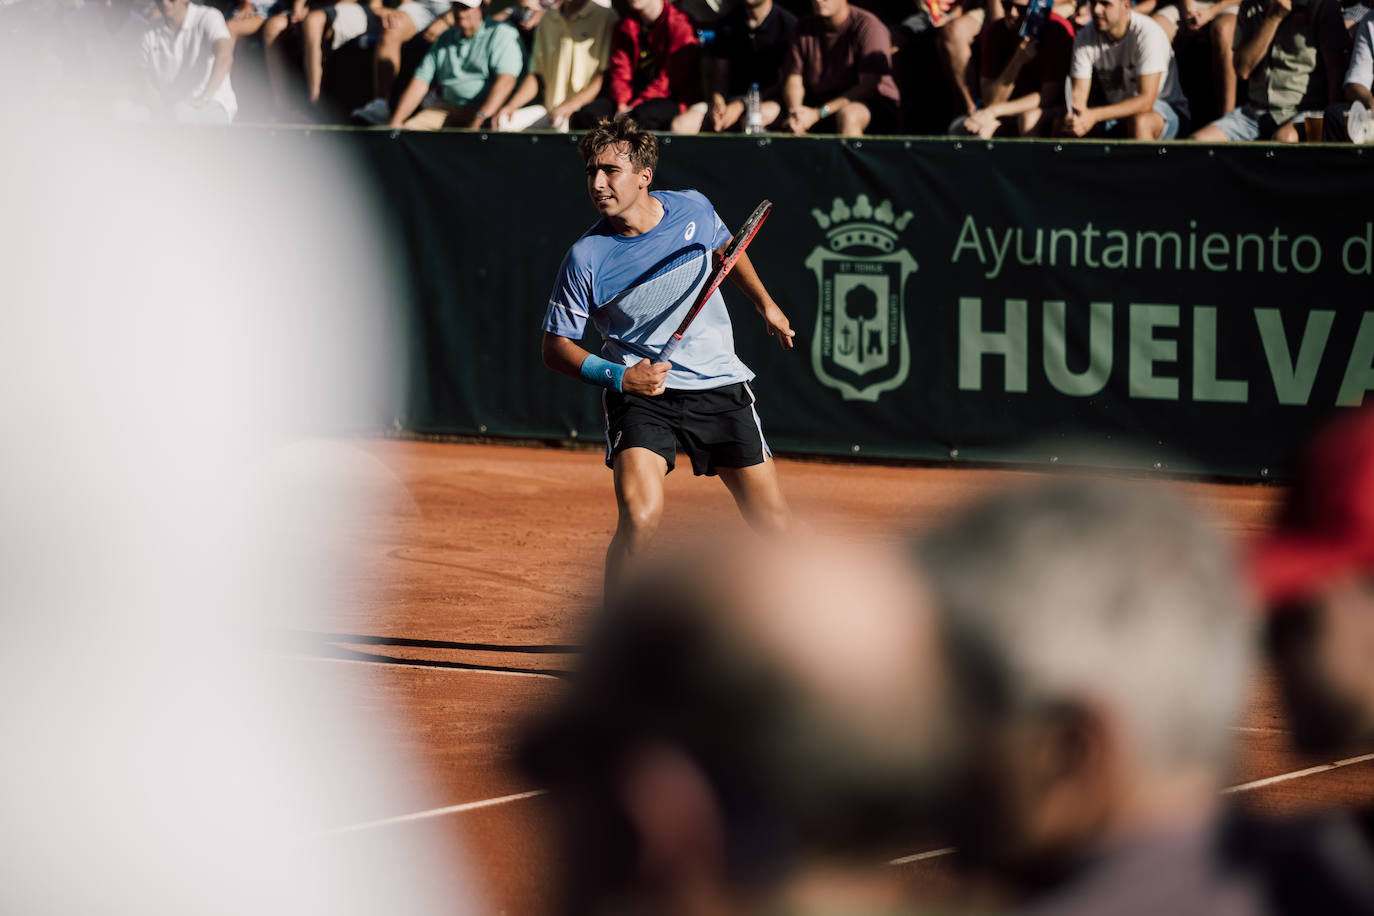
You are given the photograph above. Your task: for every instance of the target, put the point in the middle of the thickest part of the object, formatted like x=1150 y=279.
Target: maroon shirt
x=1049 y=65
x=830 y=61
x=655 y=63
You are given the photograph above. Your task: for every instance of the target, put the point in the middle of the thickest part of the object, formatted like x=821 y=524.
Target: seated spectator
x=837 y=78
x=324 y=25
x=958 y=26
x=753 y=729
x=751 y=45
x=1315 y=571
x=186 y=60
x=653 y=72
x=428 y=18
x=247 y=17
x=1359 y=78
x=467 y=75
x=572 y=45
x=1105 y=648
x=1293 y=53
x=1191 y=17
x=1022 y=77
x=1129 y=58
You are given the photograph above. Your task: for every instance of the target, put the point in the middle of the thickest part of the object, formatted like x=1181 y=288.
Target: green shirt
x=1291 y=77
x=463 y=68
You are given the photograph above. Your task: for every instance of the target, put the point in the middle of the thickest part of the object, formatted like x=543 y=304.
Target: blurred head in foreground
x=1103 y=641
x=1316 y=573
x=754 y=724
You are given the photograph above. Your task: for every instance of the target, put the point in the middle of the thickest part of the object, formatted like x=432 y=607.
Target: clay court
x=480 y=575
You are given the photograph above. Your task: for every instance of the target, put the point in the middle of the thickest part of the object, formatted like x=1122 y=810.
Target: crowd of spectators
x=1228 y=70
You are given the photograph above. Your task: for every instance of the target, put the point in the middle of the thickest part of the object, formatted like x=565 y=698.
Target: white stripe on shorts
x=768 y=453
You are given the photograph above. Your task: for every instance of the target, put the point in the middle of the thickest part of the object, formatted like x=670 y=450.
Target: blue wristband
x=602 y=372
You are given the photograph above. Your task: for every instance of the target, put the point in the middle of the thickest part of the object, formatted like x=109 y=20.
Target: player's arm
x=565 y=356
x=747 y=279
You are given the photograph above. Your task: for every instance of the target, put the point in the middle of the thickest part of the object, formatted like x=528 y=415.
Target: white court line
x=369 y=661
x=933 y=854
x=436 y=812
x=904 y=860
x=1298 y=774
x=1243 y=787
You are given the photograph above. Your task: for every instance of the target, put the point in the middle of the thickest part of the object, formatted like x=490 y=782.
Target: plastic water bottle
x=753 y=115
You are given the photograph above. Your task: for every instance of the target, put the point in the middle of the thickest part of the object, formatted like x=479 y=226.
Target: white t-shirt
x=1118 y=65
x=179 y=62
x=1361 y=69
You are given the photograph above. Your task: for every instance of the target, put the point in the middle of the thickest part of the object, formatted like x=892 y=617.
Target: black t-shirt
x=755 y=55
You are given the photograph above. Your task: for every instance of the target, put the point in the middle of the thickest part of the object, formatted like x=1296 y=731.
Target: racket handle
x=669 y=348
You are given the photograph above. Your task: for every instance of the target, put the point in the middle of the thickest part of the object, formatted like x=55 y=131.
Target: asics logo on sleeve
x=691 y=231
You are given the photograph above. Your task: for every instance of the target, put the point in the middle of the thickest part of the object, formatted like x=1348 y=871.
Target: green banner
x=981 y=301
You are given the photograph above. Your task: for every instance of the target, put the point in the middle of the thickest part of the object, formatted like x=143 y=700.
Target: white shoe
x=376 y=111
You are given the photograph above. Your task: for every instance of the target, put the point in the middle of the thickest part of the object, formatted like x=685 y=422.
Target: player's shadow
x=340 y=646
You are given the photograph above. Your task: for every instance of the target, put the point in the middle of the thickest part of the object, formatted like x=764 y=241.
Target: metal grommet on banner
x=858 y=144
x=395 y=134
x=1059 y=147
x=534 y=138
x=1163 y=150
x=956 y=145
x=1268 y=154
x=572 y=434
x=1158 y=465
x=482 y=428
x=989 y=144
x=954 y=453
x=854 y=449
x=1264 y=472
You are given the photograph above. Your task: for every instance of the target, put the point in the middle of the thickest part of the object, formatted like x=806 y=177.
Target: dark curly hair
x=640 y=145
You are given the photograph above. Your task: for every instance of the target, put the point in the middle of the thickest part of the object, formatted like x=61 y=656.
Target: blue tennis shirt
x=637 y=289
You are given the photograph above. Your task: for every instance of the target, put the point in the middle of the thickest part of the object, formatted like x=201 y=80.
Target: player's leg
x=639 y=474
x=759 y=496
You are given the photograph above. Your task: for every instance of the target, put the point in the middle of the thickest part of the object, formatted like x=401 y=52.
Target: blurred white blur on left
x=190 y=323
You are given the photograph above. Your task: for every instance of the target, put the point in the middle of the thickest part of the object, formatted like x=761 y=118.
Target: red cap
x=1327 y=528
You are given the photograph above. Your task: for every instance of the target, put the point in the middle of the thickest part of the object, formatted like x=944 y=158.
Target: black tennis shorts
x=717 y=427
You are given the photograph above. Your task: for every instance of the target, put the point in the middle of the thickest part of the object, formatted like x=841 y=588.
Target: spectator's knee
x=314 y=23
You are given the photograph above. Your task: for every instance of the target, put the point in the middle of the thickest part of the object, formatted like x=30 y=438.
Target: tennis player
x=635 y=274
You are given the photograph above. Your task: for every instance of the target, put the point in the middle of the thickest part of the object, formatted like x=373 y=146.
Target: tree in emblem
x=860 y=305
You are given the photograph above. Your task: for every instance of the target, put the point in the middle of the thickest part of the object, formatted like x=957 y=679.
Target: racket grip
x=668 y=349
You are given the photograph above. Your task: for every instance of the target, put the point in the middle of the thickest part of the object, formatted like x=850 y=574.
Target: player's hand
x=393 y=19
x=778 y=326
x=645 y=378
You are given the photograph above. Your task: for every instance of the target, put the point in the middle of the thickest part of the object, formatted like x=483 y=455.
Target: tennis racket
x=741 y=241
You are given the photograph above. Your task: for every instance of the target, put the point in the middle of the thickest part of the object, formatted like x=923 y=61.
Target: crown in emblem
x=862 y=225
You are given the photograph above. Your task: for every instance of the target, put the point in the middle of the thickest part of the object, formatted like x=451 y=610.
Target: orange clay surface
x=479 y=576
